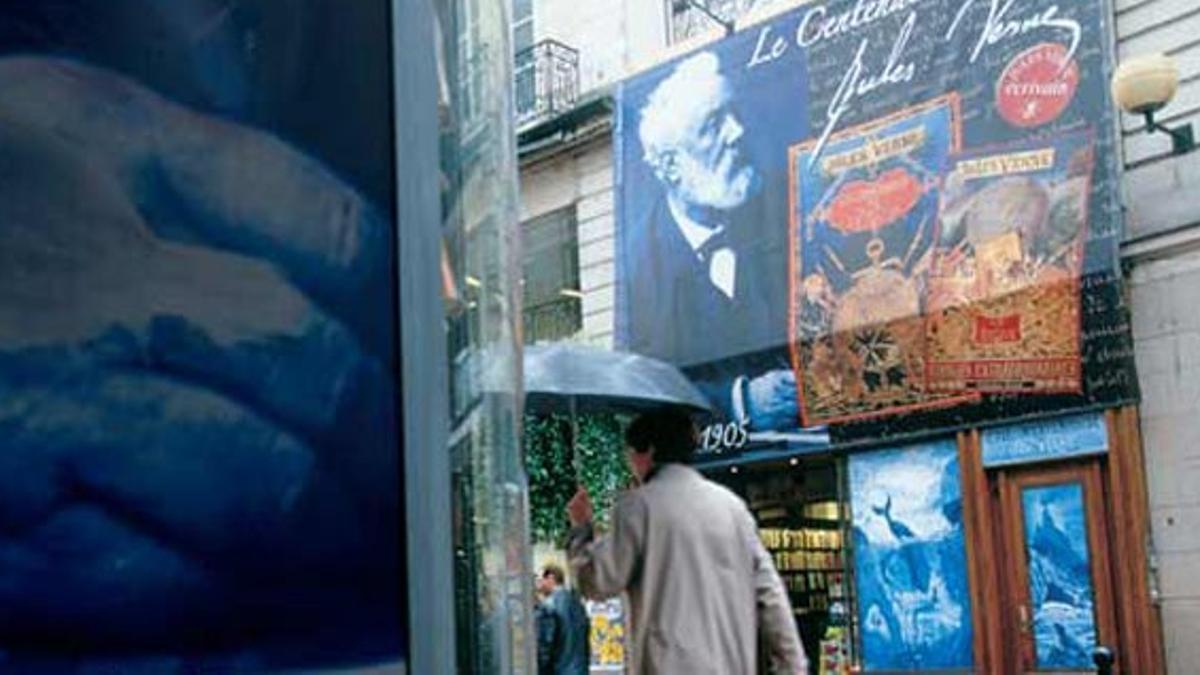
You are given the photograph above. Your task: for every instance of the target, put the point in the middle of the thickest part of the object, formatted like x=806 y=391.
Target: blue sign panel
x=1062 y=438
x=1060 y=581
x=914 y=604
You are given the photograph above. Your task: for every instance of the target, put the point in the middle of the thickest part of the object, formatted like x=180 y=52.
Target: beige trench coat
x=700 y=584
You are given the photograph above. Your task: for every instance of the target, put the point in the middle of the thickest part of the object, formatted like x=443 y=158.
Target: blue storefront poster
x=1060 y=580
x=914 y=607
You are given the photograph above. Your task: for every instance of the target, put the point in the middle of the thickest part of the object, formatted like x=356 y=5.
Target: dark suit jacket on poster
x=671 y=309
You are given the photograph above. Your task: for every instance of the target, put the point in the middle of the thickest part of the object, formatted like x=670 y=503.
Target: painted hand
x=771 y=401
x=195 y=373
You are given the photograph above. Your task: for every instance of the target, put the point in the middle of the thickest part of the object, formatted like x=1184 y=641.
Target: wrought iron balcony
x=546 y=81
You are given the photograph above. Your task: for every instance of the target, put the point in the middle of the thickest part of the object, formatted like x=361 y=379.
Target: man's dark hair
x=671 y=433
x=552 y=570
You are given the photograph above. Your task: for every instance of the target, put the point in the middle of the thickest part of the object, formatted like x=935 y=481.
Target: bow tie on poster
x=718 y=258
x=719 y=240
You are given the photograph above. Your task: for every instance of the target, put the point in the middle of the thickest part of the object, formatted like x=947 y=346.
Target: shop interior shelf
x=784 y=549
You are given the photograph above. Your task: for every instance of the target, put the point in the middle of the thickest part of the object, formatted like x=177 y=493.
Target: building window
x=523 y=65
x=553 y=301
x=688 y=22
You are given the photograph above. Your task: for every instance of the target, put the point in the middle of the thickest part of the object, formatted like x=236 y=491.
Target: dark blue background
x=771 y=100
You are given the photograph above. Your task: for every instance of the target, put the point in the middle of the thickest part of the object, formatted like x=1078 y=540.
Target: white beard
x=704 y=188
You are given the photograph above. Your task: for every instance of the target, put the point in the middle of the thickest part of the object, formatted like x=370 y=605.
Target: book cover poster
x=1004 y=300
x=864 y=212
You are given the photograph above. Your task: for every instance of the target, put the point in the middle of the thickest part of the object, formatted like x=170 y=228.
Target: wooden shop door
x=1056 y=576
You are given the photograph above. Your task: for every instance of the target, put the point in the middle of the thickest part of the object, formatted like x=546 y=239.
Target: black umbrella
x=567 y=377
x=572 y=378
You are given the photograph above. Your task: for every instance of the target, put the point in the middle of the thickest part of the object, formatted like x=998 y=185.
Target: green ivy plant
x=551 y=468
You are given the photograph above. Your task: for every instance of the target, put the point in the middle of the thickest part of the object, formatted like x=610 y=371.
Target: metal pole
x=423 y=360
x=576 y=461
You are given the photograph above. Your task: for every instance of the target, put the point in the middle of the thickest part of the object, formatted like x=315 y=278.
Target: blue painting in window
x=910 y=559
x=1060 y=581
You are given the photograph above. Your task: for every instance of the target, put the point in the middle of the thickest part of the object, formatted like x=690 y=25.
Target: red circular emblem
x=1037 y=86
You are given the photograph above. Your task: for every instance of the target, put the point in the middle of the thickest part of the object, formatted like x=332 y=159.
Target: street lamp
x=1145 y=85
x=680 y=6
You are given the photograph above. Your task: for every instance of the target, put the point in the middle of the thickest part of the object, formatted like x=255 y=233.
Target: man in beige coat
x=700 y=584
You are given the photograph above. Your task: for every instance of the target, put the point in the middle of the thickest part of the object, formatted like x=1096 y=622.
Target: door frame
x=1138 y=642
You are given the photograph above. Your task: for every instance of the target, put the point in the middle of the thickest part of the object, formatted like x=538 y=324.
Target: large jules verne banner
x=864 y=208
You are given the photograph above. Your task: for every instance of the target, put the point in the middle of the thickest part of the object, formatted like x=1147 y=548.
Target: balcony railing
x=546 y=81
x=552 y=321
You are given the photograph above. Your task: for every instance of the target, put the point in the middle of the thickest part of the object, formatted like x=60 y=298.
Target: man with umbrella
x=701 y=585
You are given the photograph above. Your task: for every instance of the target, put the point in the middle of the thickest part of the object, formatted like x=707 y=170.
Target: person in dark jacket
x=563 y=627
x=547 y=626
